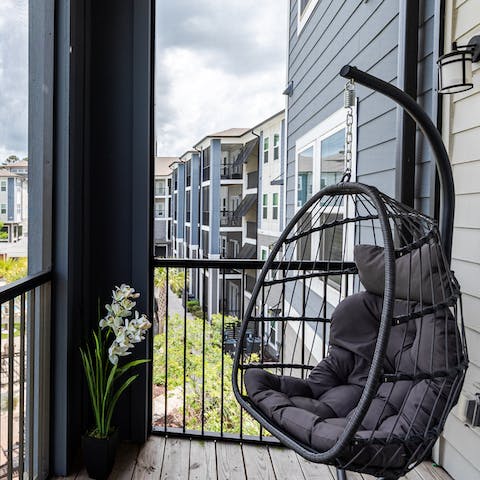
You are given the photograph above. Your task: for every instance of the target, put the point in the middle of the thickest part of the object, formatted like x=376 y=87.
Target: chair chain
x=349 y=103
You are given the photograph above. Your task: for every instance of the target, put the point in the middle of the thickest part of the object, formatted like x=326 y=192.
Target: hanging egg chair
x=363 y=351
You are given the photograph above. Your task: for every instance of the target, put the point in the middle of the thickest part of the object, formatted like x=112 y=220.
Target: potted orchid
x=118 y=332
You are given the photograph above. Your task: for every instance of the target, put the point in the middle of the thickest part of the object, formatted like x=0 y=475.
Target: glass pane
x=303 y=5
x=305 y=173
x=14 y=141
x=332 y=152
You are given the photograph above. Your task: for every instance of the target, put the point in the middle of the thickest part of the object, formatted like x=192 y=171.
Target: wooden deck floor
x=174 y=458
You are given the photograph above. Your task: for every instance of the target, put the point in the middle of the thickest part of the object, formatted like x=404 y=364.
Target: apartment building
x=162 y=206
x=14 y=201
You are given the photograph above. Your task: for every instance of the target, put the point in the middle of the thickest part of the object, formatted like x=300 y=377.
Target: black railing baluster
x=242 y=283
x=203 y=364
x=184 y=352
x=21 y=425
x=223 y=354
x=167 y=288
x=11 y=356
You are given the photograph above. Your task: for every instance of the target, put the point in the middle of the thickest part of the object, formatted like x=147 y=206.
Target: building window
x=276 y=146
x=3 y=209
x=264 y=253
x=275 y=206
x=320 y=163
x=305 y=175
x=305 y=10
x=266 y=142
x=3 y=186
x=265 y=206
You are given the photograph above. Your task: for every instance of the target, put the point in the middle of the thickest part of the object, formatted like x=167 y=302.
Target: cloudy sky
x=219 y=64
x=13 y=78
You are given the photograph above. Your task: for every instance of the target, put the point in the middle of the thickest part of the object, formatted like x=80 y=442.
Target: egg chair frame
x=384 y=218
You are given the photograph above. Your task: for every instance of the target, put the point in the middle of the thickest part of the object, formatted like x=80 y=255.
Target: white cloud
x=13 y=78
x=221 y=65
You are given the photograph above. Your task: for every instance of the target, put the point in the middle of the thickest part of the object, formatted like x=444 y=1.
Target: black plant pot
x=99 y=455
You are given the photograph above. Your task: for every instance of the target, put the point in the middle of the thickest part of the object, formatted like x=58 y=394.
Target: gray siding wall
x=366 y=35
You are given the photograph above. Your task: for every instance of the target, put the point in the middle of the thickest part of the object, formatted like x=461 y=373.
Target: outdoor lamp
x=455 y=68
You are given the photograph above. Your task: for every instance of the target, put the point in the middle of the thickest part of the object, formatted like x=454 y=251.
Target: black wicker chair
x=359 y=272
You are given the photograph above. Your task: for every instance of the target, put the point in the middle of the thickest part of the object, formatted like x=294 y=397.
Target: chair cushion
x=421 y=276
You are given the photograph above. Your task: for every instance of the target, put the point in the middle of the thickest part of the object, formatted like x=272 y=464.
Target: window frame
x=325 y=129
x=266 y=149
x=265 y=206
x=275 y=206
x=303 y=17
x=276 y=146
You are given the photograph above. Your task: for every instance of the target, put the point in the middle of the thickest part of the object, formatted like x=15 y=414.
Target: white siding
x=459 y=448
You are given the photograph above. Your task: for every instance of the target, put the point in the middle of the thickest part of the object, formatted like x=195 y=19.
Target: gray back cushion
x=421 y=274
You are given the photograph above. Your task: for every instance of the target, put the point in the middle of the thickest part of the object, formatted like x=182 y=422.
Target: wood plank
x=314 y=471
x=258 y=464
x=203 y=464
x=150 y=458
x=229 y=461
x=285 y=464
x=429 y=472
x=125 y=462
x=176 y=459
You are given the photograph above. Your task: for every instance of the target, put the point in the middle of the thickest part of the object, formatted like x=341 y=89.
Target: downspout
x=408 y=82
x=260 y=173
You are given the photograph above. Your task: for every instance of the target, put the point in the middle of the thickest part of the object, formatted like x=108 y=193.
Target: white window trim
x=303 y=18
x=315 y=136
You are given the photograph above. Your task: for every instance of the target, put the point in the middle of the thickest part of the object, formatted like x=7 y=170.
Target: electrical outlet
x=473 y=411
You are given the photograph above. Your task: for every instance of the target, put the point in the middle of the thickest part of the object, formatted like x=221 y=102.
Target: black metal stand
x=341 y=474
x=447 y=200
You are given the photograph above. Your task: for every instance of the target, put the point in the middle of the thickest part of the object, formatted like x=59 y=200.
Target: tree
x=11 y=159
x=205 y=360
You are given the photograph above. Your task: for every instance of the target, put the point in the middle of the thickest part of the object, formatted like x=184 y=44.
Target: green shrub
x=212 y=355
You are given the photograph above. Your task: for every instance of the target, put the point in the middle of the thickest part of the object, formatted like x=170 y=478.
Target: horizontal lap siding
x=340 y=33
x=459 y=448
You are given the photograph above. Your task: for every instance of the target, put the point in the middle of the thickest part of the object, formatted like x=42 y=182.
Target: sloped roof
x=162 y=165
x=229 y=133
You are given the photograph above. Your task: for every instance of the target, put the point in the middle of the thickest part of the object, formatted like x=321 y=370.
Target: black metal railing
x=252 y=179
x=230 y=171
x=20 y=365
x=193 y=345
x=228 y=219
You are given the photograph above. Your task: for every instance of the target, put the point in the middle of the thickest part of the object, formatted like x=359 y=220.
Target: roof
x=229 y=133
x=245 y=205
x=19 y=164
x=278 y=114
x=162 y=165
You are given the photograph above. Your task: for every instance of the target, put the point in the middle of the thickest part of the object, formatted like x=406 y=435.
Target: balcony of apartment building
x=92 y=229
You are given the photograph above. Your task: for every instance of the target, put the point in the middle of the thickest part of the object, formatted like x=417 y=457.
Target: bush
x=212 y=356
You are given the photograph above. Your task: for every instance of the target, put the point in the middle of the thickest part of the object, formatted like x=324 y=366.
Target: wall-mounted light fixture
x=455 y=68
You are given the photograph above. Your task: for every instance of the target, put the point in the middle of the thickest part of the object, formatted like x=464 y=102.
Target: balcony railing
x=193 y=348
x=228 y=219
x=231 y=171
x=23 y=373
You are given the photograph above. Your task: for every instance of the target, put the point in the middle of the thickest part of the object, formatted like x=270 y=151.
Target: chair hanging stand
x=369 y=277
